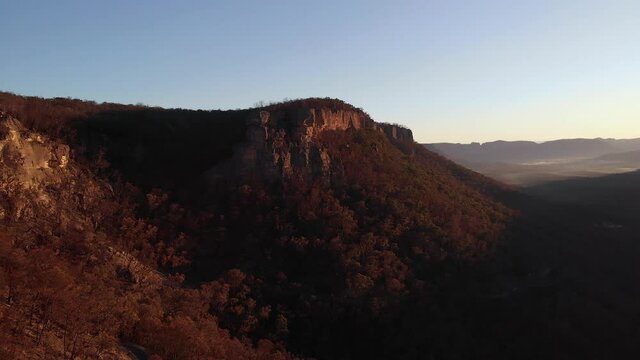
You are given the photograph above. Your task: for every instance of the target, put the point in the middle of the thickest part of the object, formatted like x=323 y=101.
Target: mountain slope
x=298 y=228
x=612 y=195
x=68 y=289
x=347 y=217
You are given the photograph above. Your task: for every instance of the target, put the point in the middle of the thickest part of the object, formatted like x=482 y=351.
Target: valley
x=528 y=163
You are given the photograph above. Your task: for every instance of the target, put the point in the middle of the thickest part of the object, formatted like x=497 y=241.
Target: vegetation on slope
x=391 y=252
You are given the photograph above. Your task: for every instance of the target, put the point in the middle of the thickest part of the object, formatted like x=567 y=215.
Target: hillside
x=628 y=156
x=347 y=218
x=615 y=196
x=301 y=229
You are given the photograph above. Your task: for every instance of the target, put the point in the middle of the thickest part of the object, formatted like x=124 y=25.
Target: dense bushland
x=393 y=253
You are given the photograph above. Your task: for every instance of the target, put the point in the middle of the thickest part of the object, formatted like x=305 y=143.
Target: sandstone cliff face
x=39 y=183
x=32 y=157
x=37 y=179
x=396 y=132
x=283 y=142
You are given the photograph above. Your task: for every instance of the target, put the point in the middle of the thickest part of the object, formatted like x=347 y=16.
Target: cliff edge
x=282 y=139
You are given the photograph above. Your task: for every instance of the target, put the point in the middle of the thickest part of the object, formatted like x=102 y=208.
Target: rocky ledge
x=281 y=142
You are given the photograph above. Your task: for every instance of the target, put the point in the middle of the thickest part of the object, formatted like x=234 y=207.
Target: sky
x=451 y=70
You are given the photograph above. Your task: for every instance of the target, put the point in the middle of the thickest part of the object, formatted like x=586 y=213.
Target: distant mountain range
x=529 y=151
x=527 y=163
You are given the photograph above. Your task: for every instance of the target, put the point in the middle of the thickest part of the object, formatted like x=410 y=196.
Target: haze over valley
x=524 y=163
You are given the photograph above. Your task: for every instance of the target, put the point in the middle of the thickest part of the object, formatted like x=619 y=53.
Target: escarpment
x=283 y=142
x=396 y=132
x=273 y=142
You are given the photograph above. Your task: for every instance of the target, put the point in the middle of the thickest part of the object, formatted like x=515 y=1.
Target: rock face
x=396 y=132
x=32 y=157
x=38 y=181
x=283 y=142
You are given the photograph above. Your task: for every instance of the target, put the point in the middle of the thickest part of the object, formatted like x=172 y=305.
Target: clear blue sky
x=451 y=70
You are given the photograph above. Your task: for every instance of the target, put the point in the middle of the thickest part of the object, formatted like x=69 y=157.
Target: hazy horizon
x=455 y=71
x=529 y=140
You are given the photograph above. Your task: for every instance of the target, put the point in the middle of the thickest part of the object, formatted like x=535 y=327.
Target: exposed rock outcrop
x=32 y=157
x=283 y=142
x=38 y=181
x=396 y=132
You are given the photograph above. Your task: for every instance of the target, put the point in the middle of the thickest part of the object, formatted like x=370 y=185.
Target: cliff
x=396 y=132
x=284 y=141
x=29 y=163
x=31 y=156
x=39 y=181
